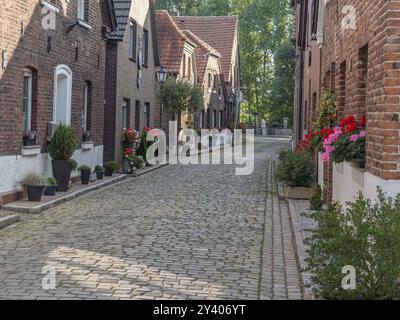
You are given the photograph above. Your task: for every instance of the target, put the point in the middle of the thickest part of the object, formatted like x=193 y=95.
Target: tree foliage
x=267 y=55
x=180 y=96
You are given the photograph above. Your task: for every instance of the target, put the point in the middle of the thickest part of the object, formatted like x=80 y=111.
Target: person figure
x=264 y=127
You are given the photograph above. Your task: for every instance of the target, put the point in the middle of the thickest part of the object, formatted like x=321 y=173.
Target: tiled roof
x=171 y=42
x=122 y=9
x=202 y=52
x=218 y=32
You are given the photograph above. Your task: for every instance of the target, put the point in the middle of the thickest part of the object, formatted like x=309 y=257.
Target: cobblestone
x=196 y=232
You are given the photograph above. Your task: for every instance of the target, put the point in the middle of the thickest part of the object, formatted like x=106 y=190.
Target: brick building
x=222 y=34
x=360 y=63
x=132 y=59
x=52 y=70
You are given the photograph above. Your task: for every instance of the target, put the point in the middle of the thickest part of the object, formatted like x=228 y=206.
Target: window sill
x=145 y=66
x=87 y=145
x=50 y=6
x=84 y=24
x=132 y=59
x=30 y=150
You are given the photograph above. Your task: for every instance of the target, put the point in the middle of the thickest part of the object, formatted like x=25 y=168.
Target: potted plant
x=51 y=187
x=86 y=136
x=35 y=185
x=316 y=200
x=85 y=173
x=295 y=170
x=61 y=148
x=29 y=138
x=99 y=172
x=110 y=167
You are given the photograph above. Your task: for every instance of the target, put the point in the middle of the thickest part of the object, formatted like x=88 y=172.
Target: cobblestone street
x=180 y=232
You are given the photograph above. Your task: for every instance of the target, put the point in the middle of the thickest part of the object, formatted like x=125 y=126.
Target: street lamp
x=161 y=77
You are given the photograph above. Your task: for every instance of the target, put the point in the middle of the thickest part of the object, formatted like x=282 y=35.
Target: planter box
x=30 y=150
x=298 y=193
x=87 y=145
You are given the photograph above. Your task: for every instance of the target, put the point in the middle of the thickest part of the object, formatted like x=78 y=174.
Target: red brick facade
x=366 y=75
x=28 y=45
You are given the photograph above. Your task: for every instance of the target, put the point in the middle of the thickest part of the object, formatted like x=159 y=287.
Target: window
x=132 y=39
x=305 y=115
x=87 y=92
x=215 y=118
x=137 y=115
x=147 y=114
x=209 y=80
x=209 y=117
x=62 y=95
x=27 y=100
x=126 y=113
x=220 y=119
x=202 y=119
x=189 y=68
x=81 y=14
x=362 y=77
x=314 y=19
x=184 y=66
x=145 y=47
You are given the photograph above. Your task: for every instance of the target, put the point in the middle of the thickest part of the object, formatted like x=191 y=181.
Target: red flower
x=348 y=120
x=351 y=127
x=363 y=122
x=128 y=151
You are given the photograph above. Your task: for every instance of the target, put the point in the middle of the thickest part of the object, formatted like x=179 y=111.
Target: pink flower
x=354 y=137
x=363 y=134
x=329 y=149
x=326 y=157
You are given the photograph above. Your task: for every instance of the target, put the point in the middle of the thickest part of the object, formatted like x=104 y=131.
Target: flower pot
x=100 y=175
x=85 y=177
x=62 y=173
x=108 y=172
x=28 y=142
x=50 y=191
x=35 y=193
x=298 y=192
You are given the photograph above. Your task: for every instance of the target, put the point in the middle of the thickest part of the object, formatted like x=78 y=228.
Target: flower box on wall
x=30 y=150
x=357 y=174
x=298 y=193
x=339 y=167
x=87 y=145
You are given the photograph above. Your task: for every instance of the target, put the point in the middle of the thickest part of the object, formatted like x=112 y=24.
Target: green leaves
x=360 y=234
x=179 y=96
x=63 y=143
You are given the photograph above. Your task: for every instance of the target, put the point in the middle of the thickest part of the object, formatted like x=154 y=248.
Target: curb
x=150 y=169
x=8 y=220
x=48 y=205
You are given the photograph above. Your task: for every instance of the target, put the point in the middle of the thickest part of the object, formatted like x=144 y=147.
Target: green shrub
x=33 y=179
x=111 y=165
x=51 y=181
x=63 y=143
x=98 y=168
x=316 y=201
x=295 y=170
x=360 y=234
x=73 y=164
x=84 y=168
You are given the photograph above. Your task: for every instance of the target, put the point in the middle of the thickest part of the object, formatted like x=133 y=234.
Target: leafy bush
x=316 y=201
x=84 y=168
x=295 y=169
x=51 y=181
x=73 y=164
x=111 y=165
x=360 y=234
x=98 y=168
x=327 y=111
x=33 y=179
x=63 y=143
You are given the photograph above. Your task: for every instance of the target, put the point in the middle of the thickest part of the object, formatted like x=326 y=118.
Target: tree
x=180 y=96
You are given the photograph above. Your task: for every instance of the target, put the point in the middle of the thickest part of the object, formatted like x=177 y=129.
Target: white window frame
x=147 y=114
x=28 y=118
x=124 y=114
x=81 y=10
x=130 y=50
x=66 y=71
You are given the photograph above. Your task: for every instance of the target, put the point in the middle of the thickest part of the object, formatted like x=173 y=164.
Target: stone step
x=8 y=220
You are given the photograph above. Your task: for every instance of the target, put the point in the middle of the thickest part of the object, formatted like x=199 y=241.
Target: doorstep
x=301 y=227
x=48 y=202
x=138 y=173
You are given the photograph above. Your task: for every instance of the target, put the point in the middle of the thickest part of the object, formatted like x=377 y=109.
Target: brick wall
x=29 y=49
x=378 y=29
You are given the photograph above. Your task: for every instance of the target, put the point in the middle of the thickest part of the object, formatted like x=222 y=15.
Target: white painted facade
x=348 y=181
x=13 y=168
